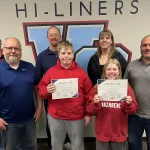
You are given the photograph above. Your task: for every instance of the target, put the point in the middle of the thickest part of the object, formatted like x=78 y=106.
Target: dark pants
x=47 y=128
x=2 y=147
x=137 y=126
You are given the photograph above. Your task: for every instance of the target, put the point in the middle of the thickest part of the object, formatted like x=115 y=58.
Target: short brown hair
x=53 y=27
x=66 y=45
x=145 y=38
x=112 y=61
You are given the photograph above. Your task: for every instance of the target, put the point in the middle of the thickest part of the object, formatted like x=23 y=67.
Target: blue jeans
x=20 y=136
x=136 y=127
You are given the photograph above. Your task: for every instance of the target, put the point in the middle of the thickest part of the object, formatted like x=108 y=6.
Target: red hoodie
x=111 y=122
x=69 y=108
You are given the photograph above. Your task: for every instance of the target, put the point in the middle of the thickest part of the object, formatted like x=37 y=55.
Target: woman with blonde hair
x=105 y=51
x=111 y=122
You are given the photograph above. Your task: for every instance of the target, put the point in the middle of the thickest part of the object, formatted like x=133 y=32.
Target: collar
x=50 y=52
x=20 y=67
x=140 y=59
x=143 y=62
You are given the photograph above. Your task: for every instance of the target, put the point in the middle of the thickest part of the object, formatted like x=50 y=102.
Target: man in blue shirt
x=45 y=61
x=17 y=111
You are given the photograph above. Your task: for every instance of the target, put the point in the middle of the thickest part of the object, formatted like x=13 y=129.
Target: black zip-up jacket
x=95 y=70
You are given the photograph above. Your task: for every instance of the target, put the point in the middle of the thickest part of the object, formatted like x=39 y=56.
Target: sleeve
x=133 y=107
x=87 y=86
x=39 y=68
x=35 y=76
x=89 y=69
x=42 y=86
x=91 y=107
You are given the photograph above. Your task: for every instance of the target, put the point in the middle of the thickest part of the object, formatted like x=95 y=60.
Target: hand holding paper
x=128 y=99
x=51 y=88
x=96 y=99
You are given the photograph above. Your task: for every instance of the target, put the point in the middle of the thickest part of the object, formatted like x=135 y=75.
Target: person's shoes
x=67 y=146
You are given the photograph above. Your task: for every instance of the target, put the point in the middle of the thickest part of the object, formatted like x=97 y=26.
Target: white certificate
x=65 y=88
x=112 y=90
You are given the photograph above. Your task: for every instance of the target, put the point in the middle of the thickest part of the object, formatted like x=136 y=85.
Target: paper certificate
x=112 y=90
x=65 y=88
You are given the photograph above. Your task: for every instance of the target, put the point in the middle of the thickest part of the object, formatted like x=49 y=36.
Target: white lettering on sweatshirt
x=111 y=105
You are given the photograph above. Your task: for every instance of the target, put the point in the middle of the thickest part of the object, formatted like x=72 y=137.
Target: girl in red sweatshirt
x=111 y=122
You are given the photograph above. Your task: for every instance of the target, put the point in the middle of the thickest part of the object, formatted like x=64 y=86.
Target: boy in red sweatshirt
x=111 y=122
x=66 y=115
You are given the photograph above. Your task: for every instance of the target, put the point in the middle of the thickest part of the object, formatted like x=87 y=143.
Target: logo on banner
x=83 y=35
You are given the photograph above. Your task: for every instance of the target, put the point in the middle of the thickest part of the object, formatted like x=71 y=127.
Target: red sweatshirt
x=111 y=122
x=69 y=108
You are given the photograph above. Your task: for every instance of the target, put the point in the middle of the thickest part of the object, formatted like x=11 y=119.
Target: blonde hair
x=66 y=45
x=112 y=49
x=112 y=61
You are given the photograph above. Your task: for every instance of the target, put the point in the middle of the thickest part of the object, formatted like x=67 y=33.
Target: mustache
x=54 y=39
x=13 y=56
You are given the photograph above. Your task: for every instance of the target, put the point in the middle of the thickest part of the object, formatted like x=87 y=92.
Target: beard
x=13 y=59
x=54 y=44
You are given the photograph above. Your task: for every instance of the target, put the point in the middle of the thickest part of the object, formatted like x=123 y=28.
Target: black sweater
x=95 y=69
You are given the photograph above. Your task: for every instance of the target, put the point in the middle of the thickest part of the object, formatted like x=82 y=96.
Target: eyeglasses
x=13 y=48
